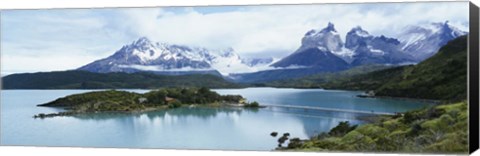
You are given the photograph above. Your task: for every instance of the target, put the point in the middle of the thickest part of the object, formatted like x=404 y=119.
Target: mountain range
x=423 y=41
x=171 y=59
x=324 y=51
x=321 y=50
x=442 y=76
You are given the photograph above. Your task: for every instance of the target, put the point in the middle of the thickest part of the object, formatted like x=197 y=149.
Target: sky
x=64 y=39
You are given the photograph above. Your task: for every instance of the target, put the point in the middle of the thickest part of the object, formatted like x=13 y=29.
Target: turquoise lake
x=186 y=128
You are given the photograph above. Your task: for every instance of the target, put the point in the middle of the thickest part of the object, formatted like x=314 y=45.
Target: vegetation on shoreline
x=123 y=101
x=439 y=129
x=318 y=80
x=442 y=77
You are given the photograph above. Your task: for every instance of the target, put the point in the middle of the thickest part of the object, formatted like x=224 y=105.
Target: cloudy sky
x=62 y=39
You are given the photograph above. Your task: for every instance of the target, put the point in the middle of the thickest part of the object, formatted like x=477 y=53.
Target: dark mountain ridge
x=75 y=79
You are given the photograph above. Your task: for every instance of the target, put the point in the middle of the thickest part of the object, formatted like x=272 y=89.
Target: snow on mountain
x=322 y=49
x=145 y=55
x=356 y=36
x=327 y=37
x=380 y=50
x=319 y=50
x=228 y=62
x=423 y=41
x=257 y=61
x=360 y=48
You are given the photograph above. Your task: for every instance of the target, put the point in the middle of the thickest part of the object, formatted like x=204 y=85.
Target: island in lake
x=124 y=101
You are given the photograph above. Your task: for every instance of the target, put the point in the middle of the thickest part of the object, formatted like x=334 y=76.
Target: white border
x=45 y=4
x=67 y=151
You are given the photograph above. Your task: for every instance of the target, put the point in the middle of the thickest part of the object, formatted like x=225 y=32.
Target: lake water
x=186 y=128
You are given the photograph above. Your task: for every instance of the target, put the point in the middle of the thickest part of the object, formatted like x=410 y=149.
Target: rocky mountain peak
x=327 y=38
x=422 y=41
x=142 y=42
x=356 y=36
x=358 y=31
x=330 y=28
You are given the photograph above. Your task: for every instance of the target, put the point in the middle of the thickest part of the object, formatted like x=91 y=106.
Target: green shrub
x=356 y=141
x=341 y=129
x=372 y=131
x=453 y=143
x=175 y=104
x=253 y=104
x=327 y=143
x=294 y=143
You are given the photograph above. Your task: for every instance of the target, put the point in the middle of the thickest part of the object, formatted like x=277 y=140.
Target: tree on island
x=253 y=104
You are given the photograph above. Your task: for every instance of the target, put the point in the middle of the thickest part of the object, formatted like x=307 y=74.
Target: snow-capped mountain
x=327 y=38
x=422 y=41
x=356 y=36
x=145 y=55
x=317 y=51
x=321 y=50
x=360 y=47
x=369 y=49
x=324 y=48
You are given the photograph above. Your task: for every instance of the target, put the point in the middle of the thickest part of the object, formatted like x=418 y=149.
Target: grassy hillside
x=442 y=76
x=89 y=80
x=440 y=129
x=365 y=81
x=316 y=81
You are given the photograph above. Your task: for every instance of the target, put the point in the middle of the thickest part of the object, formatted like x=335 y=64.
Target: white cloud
x=251 y=30
x=279 y=28
x=19 y=64
x=47 y=40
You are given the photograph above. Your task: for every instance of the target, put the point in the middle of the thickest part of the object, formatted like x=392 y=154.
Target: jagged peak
x=142 y=43
x=449 y=27
x=330 y=28
x=446 y=22
x=445 y=26
x=358 y=31
x=442 y=25
x=310 y=32
x=357 y=28
x=432 y=27
x=227 y=52
x=389 y=39
x=142 y=40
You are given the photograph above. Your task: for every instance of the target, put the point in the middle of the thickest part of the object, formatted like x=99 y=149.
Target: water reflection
x=316 y=121
x=312 y=121
x=183 y=128
x=204 y=113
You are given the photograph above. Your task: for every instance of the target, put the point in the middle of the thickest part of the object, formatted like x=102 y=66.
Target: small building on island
x=169 y=99
x=142 y=100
